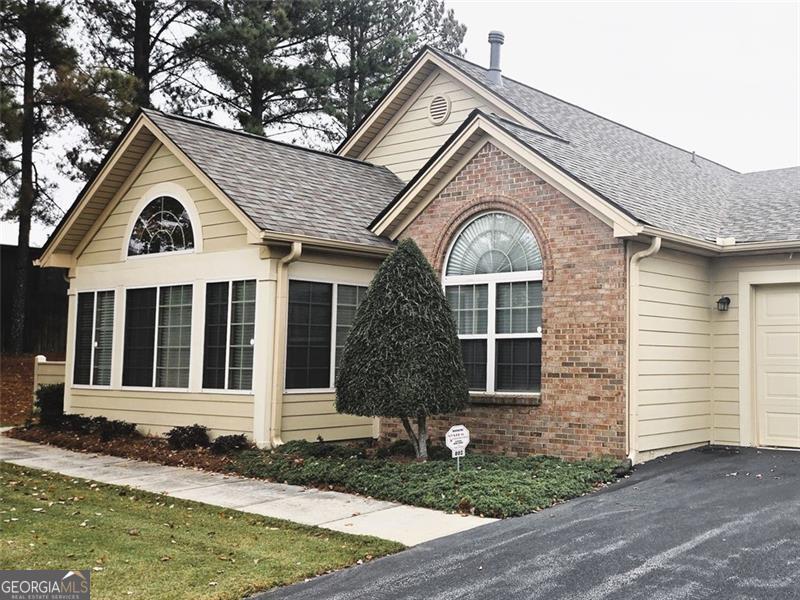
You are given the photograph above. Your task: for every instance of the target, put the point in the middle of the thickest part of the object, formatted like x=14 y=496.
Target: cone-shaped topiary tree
x=402 y=357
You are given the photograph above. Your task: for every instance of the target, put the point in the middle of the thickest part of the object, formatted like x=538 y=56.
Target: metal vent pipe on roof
x=496 y=39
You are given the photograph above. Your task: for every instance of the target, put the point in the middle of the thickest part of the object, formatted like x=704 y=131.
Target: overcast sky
x=722 y=79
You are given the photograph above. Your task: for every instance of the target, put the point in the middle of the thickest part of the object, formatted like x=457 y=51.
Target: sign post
x=457 y=439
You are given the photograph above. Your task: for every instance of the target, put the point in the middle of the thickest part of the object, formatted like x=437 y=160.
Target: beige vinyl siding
x=725 y=327
x=221 y=230
x=674 y=352
x=312 y=414
x=48 y=372
x=307 y=416
x=410 y=140
x=156 y=412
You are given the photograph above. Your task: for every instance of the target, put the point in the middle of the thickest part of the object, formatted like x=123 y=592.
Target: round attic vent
x=439 y=109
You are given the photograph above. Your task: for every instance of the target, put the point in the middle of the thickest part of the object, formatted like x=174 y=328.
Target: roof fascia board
x=253 y=230
x=719 y=250
x=324 y=243
x=623 y=225
x=56 y=259
x=123 y=189
x=440 y=185
x=429 y=56
x=424 y=177
x=85 y=196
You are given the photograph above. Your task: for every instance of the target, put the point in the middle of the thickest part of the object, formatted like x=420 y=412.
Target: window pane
x=348 y=299
x=174 y=336
x=308 y=347
x=103 y=338
x=469 y=304
x=163 y=226
x=83 y=338
x=494 y=243
x=140 y=323
x=519 y=307
x=216 y=335
x=519 y=365
x=474 y=354
x=243 y=319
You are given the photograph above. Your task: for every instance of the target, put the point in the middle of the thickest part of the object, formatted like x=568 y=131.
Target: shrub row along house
x=613 y=294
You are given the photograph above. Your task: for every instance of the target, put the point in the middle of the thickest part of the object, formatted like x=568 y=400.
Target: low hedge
x=493 y=486
x=227 y=444
x=186 y=437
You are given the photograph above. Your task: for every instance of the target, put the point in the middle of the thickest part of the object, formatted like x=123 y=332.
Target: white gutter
x=327 y=244
x=279 y=341
x=632 y=396
x=721 y=249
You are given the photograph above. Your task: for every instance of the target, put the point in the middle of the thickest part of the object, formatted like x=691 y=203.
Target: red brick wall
x=582 y=405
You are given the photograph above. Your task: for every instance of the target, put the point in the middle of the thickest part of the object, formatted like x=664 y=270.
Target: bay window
x=320 y=317
x=94 y=333
x=493 y=282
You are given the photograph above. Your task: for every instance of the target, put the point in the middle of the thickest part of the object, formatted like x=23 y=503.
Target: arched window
x=163 y=225
x=493 y=281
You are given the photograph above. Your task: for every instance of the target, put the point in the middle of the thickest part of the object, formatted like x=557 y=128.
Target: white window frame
x=334 y=316
x=155 y=338
x=226 y=390
x=491 y=336
x=94 y=293
x=180 y=194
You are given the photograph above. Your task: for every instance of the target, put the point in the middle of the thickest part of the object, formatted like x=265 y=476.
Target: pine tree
x=138 y=53
x=41 y=93
x=371 y=41
x=267 y=57
x=402 y=357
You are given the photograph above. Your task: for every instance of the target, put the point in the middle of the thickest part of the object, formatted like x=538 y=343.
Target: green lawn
x=143 y=545
x=492 y=486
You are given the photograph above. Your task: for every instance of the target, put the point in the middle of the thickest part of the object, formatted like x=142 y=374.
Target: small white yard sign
x=457 y=439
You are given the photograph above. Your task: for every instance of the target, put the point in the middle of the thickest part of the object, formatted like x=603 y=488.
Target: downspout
x=632 y=396
x=279 y=345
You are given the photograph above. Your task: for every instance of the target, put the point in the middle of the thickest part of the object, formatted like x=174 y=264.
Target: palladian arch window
x=163 y=226
x=493 y=282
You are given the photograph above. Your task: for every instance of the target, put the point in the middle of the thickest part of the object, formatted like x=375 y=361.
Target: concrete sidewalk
x=349 y=513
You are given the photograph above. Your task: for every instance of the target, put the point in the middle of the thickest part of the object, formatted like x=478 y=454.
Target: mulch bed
x=16 y=387
x=140 y=448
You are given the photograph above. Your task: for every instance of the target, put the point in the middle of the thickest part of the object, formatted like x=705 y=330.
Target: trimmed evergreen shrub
x=185 y=437
x=50 y=402
x=402 y=357
x=225 y=444
x=112 y=429
x=76 y=423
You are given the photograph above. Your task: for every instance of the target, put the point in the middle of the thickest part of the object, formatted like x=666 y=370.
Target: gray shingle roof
x=284 y=188
x=653 y=181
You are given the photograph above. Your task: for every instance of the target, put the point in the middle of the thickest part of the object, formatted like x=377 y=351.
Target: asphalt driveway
x=713 y=523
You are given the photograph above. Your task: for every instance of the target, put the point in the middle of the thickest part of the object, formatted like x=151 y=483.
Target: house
x=614 y=294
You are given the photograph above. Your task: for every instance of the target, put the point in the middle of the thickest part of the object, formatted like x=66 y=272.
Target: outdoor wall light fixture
x=723 y=304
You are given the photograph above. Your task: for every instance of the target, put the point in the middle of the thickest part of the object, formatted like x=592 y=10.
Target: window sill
x=505 y=398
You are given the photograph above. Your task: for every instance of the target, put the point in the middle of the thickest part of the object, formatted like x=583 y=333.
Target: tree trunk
x=141 y=50
x=25 y=204
x=422 y=438
x=419 y=439
x=351 y=88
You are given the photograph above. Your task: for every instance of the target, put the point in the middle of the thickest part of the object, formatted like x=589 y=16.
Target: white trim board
x=748 y=280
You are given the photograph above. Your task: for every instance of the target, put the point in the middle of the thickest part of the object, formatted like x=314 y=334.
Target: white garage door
x=778 y=365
